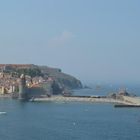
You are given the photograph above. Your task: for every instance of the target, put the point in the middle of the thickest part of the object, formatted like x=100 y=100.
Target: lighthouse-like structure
x=22 y=88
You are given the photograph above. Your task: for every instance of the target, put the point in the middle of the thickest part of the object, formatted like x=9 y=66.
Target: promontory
x=39 y=80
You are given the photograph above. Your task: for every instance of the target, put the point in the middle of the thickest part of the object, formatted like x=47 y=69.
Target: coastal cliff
x=61 y=78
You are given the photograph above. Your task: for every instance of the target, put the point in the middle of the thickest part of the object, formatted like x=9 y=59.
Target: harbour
x=55 y=120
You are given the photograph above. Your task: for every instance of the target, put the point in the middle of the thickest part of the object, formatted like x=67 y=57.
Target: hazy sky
x=95 y=40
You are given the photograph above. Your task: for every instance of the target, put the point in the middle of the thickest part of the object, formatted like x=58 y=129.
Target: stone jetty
x=80 y=99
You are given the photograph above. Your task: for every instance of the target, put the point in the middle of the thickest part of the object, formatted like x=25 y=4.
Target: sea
x=70 y=120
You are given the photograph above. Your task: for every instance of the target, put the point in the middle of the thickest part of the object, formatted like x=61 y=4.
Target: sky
x=94 y=40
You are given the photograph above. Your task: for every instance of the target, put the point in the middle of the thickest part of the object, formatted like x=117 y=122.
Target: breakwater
x=124 y=101
x=93 y=99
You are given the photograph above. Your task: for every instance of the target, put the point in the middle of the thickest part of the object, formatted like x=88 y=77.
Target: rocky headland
x=39 y=80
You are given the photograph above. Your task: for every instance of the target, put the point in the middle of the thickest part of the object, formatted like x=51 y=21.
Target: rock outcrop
x=61 y=79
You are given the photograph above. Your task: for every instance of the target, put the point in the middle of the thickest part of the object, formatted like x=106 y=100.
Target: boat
x=126 y=105
x=2 y=112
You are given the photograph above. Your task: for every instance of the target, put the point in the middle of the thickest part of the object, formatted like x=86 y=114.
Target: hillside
x=50 y=80
x=61 y=78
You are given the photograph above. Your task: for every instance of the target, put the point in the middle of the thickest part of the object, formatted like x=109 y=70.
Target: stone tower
x=22 y=88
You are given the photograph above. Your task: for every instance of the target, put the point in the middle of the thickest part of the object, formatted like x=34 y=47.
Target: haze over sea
x=69 y=120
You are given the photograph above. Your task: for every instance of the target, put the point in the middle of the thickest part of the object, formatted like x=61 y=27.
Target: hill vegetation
x=60 y=79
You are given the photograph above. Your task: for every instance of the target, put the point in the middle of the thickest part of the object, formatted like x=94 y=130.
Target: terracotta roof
x=16 y=65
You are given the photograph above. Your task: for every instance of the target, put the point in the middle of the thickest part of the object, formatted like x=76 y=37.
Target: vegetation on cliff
x=61 y=78
x=30 y=71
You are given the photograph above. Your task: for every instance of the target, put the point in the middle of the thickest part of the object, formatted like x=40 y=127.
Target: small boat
x=2 y=112
x=126 y=105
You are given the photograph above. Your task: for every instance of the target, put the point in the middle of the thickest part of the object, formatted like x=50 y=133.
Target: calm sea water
x=68 y=121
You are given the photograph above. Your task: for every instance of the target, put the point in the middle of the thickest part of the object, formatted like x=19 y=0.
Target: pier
x=97 y=99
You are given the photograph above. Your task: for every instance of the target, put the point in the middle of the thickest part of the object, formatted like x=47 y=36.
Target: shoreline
x=5 y=96
x=132 y=101
x=79 y=99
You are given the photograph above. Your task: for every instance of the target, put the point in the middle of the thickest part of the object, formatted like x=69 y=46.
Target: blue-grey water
x=68 y=121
